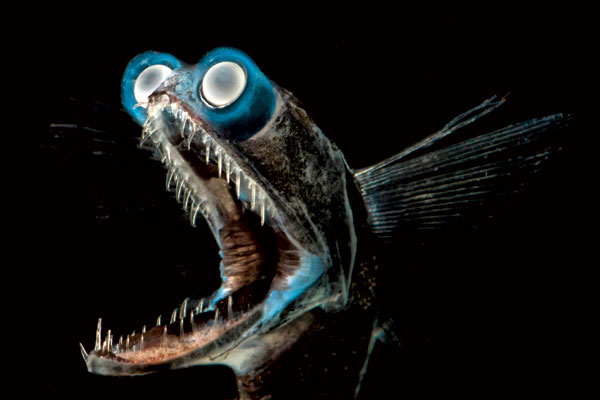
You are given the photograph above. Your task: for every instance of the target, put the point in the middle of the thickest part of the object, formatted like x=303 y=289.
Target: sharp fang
x=262 y=212
x=83 y=352
x=173 y=316
x=146 y=133
x=216 y=316
x=169 y=178
x=207 y=152
x=192 y=320
x=121 y=343
x=183 y=311
x=227 y=168
x=187 y=199
x=238 y=183
x=253 y=201
x=229 y=306
x=179 y=187
x=181 y=327
x=109 y=340
x=220 y=162
x=158 y=320
x=193 y=214
x=127 y=344
x=182 y=133
x=97 y=346
x=200 y=307
x=191 y=137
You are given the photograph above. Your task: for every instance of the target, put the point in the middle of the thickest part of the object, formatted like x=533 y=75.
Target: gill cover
x=275 y=143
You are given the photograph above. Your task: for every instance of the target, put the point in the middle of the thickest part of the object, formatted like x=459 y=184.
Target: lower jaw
x=168 y=351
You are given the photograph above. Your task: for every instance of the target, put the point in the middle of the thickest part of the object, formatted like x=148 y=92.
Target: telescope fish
x=295 y=225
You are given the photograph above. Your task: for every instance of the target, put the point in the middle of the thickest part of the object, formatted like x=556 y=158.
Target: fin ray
x=440 y=187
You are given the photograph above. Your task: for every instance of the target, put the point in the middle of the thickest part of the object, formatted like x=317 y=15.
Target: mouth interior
x=256 y=255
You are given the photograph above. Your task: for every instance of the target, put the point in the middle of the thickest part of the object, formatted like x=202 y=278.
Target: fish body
x=297 y=228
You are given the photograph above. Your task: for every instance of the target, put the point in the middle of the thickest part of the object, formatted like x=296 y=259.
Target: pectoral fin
x=439 y=188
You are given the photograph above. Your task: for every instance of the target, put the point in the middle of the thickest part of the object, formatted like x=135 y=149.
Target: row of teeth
x=259 y=202
x=125 y=345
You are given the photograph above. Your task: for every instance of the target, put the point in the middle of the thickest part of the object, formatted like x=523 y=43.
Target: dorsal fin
x=437 y=188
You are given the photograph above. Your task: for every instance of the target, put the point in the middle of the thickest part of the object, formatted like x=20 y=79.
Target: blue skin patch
x=310 y=270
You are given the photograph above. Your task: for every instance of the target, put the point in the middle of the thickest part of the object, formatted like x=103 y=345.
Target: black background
x=499 y=312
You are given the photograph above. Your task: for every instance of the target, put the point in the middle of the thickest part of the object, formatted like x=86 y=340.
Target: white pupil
x=148 y=81
x=223 y=84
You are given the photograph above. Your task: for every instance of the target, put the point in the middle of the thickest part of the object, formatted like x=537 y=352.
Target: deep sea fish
x=297 y=228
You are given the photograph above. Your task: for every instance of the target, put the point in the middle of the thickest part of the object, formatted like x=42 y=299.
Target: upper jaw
x=177 y=134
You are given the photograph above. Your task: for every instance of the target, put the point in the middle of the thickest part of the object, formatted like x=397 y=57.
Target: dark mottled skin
x=325 y=362
x=307 y=171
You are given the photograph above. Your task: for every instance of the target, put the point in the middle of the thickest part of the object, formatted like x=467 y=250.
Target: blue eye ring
x=137 y=66
x=249 y=112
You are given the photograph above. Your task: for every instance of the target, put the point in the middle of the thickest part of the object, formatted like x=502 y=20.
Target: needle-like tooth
x=220 y=162
x=253 y=198
x=262 y=212
x=200 y=307
x=83 y=352
x=144 y=329
x=98 y=344
x=191 y=136
x=173 y=316
x=207 y=152
x=104 y=343
x=121 y=343
x=183 y=311
x=142 y=342
x=158 y=320
x=170 y=175
x=109 y=340
x=227 y=168
x=229 y=306
x=192 y=321
x=193 y=214
x=179 y=187
x=238 y=183
x=147 y=133
x=127 y=344
x=181 y=327
x=186 y=199
x=216 y=316
x=183 y=126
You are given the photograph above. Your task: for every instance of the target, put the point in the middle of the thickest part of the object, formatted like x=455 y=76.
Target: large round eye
x=223 y=83
x=148 y=81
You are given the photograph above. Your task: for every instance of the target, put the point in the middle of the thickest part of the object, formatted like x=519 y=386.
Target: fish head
x=272 y=188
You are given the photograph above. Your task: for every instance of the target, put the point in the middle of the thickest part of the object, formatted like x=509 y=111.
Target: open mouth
x=256 y=253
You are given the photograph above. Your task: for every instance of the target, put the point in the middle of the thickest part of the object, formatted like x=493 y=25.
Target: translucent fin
x=456 y=123
x=438 y=188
